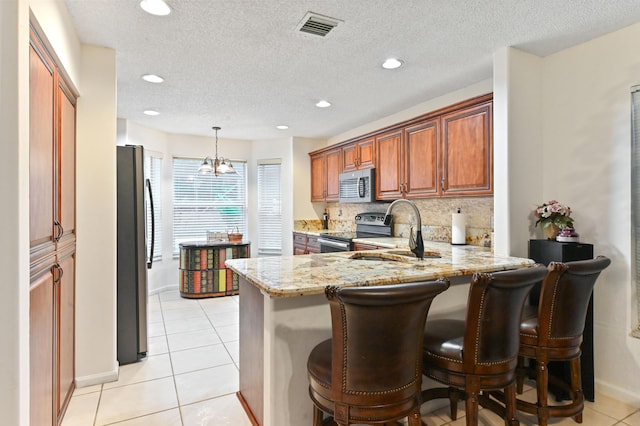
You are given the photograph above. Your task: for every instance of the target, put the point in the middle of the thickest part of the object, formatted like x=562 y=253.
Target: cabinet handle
x=60 y=273
x=442 y=183
x=60 y=230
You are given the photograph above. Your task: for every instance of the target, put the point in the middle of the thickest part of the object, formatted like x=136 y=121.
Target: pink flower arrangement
x=552 y=212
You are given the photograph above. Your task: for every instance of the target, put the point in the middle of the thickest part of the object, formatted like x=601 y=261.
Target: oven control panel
x=373 y=218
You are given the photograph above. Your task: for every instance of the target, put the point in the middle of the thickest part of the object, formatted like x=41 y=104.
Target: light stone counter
x=304 y=275
x=278 y=330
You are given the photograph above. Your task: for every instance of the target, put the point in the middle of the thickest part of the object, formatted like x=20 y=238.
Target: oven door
x=330 y=246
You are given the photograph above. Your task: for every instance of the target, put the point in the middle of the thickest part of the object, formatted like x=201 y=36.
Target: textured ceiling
x=241 y=64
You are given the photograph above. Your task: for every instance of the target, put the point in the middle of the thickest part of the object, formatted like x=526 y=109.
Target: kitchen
x=540 y=97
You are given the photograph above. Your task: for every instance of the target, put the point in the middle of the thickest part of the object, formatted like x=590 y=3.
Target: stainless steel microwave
x=358 y=186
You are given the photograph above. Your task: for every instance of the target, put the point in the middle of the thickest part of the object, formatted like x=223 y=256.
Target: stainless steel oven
x=368 y=225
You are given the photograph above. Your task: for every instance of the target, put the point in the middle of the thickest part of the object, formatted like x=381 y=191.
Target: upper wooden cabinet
x=389 y=175
x=407 y=162
x=359 y=155
x=467 y=149
x=448 y=152
x=325 y=169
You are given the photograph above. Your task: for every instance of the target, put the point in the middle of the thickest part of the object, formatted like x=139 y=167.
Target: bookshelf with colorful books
x=202 y=269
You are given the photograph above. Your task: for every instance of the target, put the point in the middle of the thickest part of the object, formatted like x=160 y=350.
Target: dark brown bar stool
x=553 y=332
x=480 y=353
x=370 y=370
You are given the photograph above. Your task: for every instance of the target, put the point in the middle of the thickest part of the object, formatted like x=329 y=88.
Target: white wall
x=480 y=88
x=14 y=215
x=96 y=218
x=517 y=146
x=587 y=139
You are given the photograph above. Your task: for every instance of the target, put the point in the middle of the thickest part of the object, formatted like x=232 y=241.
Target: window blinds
x=153 y=172
x=269 y=208
x=635 y=193
x=207 y=202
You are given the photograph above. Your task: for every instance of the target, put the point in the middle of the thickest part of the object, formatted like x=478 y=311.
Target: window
x=207 y=202
x=635 y=196
x=153 y=172
x=269 y=208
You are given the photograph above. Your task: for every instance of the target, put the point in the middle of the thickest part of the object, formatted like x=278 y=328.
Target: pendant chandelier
x=216 y=165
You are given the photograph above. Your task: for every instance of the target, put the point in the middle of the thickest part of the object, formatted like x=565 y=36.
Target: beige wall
x=586 y=152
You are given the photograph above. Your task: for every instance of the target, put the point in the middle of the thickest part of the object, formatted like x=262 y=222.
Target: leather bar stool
x=370 y=370
x=553 y=332
x=480 y=353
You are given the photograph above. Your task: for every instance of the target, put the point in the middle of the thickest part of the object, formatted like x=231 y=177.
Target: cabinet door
x=41 y=149
x=421 y=160
x=468 y=151
x=389 y=170
x=359 y=155
x=65 y=326
x=350 y=157
x=66 y=165
x=318 y=180
x=366 y=154
x=333 y=162
x=362 y=247
x=41 y=359
x=313 y=246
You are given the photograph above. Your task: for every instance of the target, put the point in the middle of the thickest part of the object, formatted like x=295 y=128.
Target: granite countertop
x=302 y=275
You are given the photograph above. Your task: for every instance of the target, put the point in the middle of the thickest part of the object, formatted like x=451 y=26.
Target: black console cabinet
x=546 y=251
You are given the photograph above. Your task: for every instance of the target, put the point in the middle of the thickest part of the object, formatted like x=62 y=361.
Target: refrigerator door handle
x=153 y=226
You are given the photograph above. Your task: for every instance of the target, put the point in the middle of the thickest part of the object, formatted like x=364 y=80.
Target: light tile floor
x=190 y=377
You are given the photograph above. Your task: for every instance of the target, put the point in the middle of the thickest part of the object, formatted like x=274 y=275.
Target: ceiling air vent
x=315 y=24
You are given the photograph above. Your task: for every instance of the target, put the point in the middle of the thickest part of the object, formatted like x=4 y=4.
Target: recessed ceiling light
x=151 y=112
x=392 y=63
x=152 y=78
x=282 y=127
x=323 y=104
x=155 y=7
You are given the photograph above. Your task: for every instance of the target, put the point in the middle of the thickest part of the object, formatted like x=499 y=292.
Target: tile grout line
x=173 y=375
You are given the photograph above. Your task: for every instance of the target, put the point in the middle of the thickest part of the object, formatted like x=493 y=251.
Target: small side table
x=202 y=269
x=546 y=251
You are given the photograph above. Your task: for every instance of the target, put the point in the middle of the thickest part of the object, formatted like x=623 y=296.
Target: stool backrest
x=564 y=299
x=377 y=334
x=492 y=325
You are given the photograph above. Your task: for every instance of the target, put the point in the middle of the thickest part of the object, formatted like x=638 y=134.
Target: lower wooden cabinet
x=305 y=243
x=361 y=247
x=41 y=347
x=64 y=309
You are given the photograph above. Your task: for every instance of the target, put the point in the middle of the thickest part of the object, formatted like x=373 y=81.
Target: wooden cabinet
x=305 y=244
x=52 y=122
x=359 y=155
x=467 y=149
x=407 y=162
x=325 y=169
x=448 y=155
x=362 y=247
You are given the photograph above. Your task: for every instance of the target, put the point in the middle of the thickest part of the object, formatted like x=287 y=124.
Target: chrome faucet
x=416 y=245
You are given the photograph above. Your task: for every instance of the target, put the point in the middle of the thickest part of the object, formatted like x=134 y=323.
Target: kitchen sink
x=380 y=256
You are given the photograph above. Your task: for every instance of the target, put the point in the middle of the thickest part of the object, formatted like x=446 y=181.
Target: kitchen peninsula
x=284 y=312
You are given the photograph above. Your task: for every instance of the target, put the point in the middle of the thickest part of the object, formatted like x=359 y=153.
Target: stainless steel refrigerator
x=134 y=257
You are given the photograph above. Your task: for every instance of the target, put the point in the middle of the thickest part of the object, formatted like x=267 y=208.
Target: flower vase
x=551 y=231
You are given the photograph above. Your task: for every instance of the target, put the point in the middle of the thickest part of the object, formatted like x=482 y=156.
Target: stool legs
x=542 y=386
x=576 y=385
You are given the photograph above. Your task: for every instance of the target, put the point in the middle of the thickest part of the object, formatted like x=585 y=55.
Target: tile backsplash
x=436 y=218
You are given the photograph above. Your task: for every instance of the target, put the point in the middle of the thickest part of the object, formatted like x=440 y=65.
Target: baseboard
x=624 y=395
x=97 y=379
